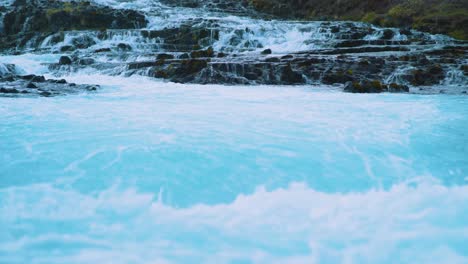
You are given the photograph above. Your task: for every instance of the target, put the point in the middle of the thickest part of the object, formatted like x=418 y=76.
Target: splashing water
x=146 y=171
x=152 y=172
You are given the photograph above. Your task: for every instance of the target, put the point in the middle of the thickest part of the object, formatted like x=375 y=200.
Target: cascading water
x=145 y=170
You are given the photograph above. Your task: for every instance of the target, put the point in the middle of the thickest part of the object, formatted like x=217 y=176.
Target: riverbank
x=434 y=16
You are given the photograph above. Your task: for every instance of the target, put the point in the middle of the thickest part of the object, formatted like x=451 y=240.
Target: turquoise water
x=151 y=172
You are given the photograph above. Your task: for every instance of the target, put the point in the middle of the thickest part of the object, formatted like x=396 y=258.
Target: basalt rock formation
x=238 y=49
x=14 y=84
x=28 y=19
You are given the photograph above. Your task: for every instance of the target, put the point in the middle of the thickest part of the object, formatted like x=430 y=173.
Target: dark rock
x=65 y=60
x=184 y=56
x=272 y=59
x=142 y=64
x=92 y=87
x=8 y=90
x=430 y=76
x=66 y=48
x=61 y=81
x=83 y=42
x=336 y=77
x=192 y=66
x=464 y=68
x=288 y=76
x=8 y=79
x=45 y=93
x=208 y=53
x=33 y=78
x=165 y=56
x=365 y=86
x=388 y=34
x=266 y=52
x=124 y=47
x=374 y=86
x=406 y=32
x=335 y=29
x=102 y=50
x=187 y=37
x=161 y=74
x=31 y=85
x=251 y=76
x=436 y=70
x=397 y=88
x=54 y=16
x=352 y=87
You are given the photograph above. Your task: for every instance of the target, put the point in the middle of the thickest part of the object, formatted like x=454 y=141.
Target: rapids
x=151 y=171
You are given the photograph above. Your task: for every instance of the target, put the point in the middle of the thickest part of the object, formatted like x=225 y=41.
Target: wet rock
x=208 y=53
x=272 y=59
x=124 y=47
x=266 y=52
x=352 y=87
x=45 y=94
x=365 y=86
x=184 y=56
x=83 y=42
x=102 y=50
x=288 y=76
x=8 y=79
x=251 y=76
x=429 y=76
x=161 y=74
x=65 y=60
x=66 y=48
x=165 y=56
x=464 y=68
x=336 y=77
x=31 y=85
x=388 y=34
x=191 y=66
x=187 y=37
x=92 y=87
x=8 y=90
x=33 y=78
x=397 y=88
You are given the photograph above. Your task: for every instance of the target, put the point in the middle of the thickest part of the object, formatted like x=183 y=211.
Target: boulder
x=65 y=60
x=365 y=86
x=266 y=52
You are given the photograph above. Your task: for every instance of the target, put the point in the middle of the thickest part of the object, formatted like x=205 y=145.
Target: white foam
x=422 y=221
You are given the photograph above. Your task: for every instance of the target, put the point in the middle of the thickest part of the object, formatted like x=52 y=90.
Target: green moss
x=370 y=17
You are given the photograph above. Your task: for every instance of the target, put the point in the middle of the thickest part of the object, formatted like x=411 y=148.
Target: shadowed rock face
x=35 y=18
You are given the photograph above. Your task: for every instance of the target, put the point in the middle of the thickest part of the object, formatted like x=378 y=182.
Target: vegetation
x=435 y=16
